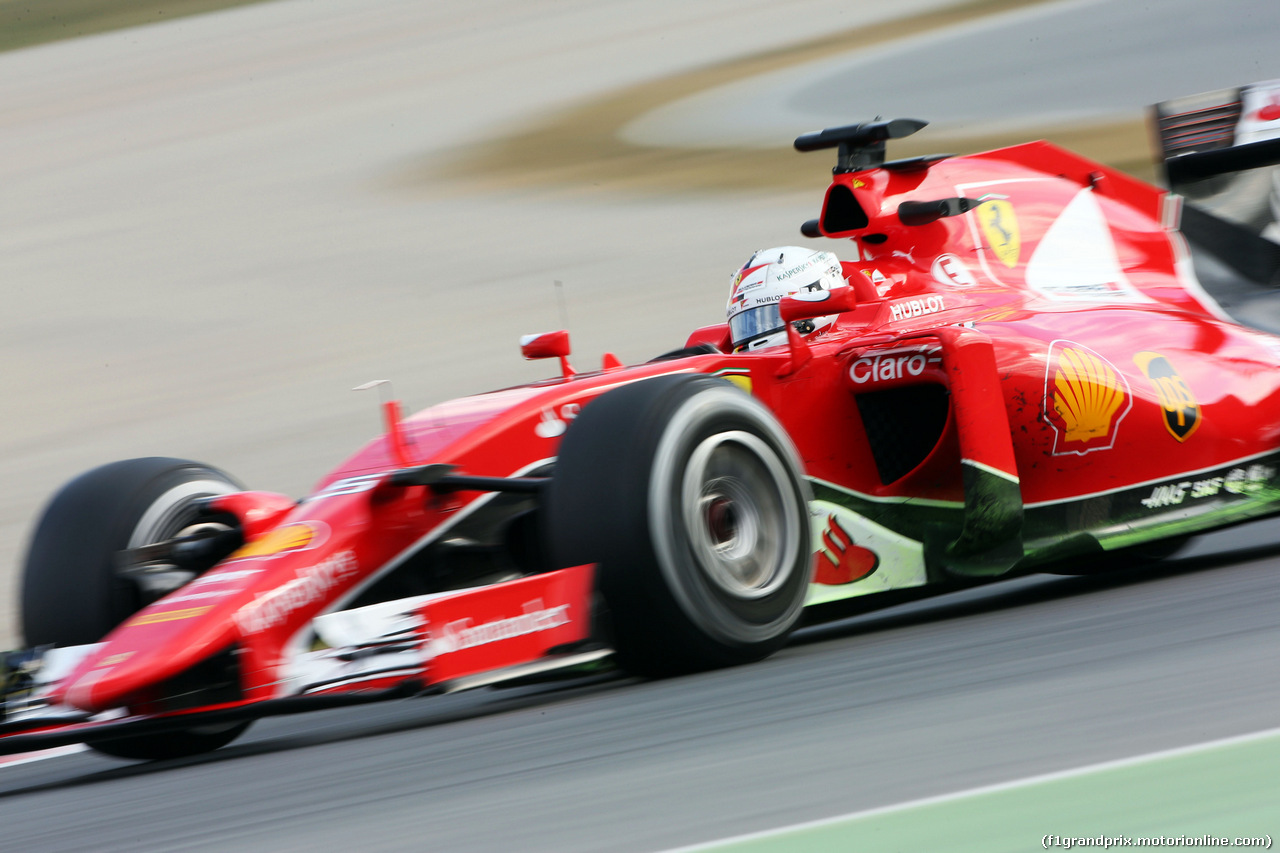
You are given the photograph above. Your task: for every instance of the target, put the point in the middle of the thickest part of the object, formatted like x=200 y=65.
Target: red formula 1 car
x=1024 y=373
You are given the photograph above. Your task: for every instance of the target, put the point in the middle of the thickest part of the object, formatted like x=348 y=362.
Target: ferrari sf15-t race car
x=1019 y=371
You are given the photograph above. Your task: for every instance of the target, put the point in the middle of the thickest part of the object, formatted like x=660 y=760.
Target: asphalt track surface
x=203 y=246
x=1022 y=678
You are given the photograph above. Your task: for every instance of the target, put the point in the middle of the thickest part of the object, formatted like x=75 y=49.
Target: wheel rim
x=171 y=514
x=174 y=510
x=739 y=511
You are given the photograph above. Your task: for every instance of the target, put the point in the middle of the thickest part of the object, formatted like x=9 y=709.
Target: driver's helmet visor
x=755 y=322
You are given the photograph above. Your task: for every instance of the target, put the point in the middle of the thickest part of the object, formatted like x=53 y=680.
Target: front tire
x=71 y=593
x=691 y=498
x=179 y=743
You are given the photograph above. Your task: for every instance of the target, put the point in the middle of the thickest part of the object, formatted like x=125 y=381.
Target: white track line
x=28 y=757
x=1027 y=781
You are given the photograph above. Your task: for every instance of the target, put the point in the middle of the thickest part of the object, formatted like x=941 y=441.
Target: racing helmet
x=768 y=275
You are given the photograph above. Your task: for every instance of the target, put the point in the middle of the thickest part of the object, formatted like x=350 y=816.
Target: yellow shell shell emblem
x=1087 y=398
x=1000 y=226
x=291 y=537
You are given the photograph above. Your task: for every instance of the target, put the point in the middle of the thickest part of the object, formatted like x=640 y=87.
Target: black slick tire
x=71 y=592
x=691 y=498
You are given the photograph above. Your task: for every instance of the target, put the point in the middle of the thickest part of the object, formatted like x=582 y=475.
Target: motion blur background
x=213 y=226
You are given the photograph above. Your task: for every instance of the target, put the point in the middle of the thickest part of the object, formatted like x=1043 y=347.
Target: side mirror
x=924 y=212
x=548 y=345
x=808 y=304
x=545 y=345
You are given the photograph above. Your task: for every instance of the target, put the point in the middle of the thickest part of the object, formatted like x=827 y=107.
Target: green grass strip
x=1226 y=791
x=24 y=23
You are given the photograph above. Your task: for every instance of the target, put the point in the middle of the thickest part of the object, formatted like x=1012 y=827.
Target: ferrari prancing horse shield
x=1000 y=226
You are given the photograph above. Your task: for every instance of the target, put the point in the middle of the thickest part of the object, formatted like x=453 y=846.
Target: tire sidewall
x=709 y=409
x=608 y=496
x=71 y=592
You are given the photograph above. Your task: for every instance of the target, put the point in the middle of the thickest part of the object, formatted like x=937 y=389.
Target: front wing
x=436 y=643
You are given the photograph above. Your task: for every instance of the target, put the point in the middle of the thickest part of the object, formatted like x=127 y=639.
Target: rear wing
x=1220 y=151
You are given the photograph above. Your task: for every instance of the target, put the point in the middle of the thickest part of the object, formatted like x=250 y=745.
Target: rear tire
x=71 y=593
x=691 y=498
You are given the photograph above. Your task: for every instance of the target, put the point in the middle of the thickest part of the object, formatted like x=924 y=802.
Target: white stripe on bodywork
x=982 y=466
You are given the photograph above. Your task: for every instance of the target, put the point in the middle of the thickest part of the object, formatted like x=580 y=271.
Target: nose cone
x=151 y=647
x=164 y=638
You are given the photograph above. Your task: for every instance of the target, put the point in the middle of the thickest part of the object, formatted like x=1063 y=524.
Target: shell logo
x=291 y=537
x=1086 y=398
x=1000 y=226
